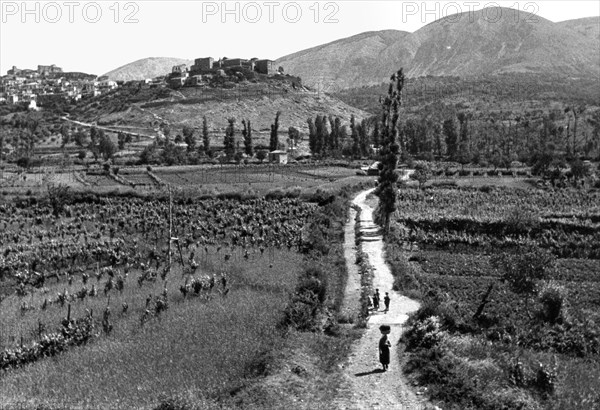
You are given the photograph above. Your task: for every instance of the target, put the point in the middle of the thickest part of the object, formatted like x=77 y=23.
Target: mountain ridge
x=143 y=68
x=457 y=45
x=464 y=44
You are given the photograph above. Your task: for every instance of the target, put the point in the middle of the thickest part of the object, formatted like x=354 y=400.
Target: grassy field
x=230 y=347
x=198 y=348
x=211 y=179
x=522 y=350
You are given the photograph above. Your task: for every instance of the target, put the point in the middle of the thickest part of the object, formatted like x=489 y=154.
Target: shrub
x=314 y=281
x=545 y=379
x=553 y=303
x=276 y=193
x=516 y=374
x=23 y=162
x=423 y=333
x=303 y=310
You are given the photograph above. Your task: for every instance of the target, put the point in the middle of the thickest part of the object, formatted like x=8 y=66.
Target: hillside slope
x=588 y=26
x=494 y=41
x=148 y=108
x=346 y=62
x=146 y=68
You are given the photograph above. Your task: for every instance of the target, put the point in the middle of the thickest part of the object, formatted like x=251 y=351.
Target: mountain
x=588 y=26
x=344 y=62
x=489 y=41
x=146 y=68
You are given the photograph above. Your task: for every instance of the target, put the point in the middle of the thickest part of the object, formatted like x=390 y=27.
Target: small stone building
x=205 y=63
x=278 y=157
x=265 y=66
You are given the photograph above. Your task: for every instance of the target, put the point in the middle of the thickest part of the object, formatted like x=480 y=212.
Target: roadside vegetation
x=508 y=281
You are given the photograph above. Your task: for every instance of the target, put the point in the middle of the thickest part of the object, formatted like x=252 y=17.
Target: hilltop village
x=205 y=69
x=49 y=83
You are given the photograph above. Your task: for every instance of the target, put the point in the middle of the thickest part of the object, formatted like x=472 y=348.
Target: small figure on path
x=384 y=347
x=386 y=302
x=376 y=300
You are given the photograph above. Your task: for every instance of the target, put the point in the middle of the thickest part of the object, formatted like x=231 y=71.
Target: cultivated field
x=210 y=178
x=93 y=289
x=518 y=347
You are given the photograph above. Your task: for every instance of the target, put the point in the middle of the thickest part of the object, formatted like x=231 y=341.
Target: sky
x=99 y=36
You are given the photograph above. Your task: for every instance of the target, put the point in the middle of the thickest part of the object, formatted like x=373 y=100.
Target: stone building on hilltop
x=265 y=67
x=203 y=64
x=208 y=64
x=180 y=69
x=48 y=69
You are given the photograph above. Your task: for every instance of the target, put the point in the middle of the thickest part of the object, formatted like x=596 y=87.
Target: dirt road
x=366 y=386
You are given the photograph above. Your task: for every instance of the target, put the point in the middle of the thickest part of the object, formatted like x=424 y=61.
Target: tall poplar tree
x=387 y=189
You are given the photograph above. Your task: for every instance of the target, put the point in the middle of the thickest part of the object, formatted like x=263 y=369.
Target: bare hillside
x=147 y=109
x=146 y=68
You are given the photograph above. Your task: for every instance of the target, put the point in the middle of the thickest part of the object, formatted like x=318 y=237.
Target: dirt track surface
x=366 y=386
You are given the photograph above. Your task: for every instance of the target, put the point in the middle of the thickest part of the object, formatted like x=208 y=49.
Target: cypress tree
x=338 y=143
x=363 y=138
x=274 y=142
x=312 y=136
x=355 y=137
x=332 y=140
x=322 y=135
x=229 y=140
x=451 y=137
x=376 y=138
x=247 y=133
x=205 y=136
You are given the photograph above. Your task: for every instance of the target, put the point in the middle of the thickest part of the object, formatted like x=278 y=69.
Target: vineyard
x=259 y=178
x=98 y=284
x=450 y=248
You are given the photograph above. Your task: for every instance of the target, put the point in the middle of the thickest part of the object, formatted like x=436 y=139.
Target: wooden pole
x=170 y=226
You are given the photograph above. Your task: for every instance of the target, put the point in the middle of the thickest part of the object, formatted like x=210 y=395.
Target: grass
x=258 y=178
x=471 y=364
x=227 y=352
x=200 y=349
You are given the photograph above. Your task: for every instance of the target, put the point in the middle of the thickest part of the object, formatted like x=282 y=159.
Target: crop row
x=494 y=204
x=120 y=232
x=563 y=245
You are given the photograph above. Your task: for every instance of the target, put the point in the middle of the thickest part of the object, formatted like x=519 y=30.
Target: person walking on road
x=386 y=302
x=384 y=349
x=376 y=300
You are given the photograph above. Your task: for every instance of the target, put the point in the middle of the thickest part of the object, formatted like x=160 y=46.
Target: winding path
x=107 y=129
x=365 y=386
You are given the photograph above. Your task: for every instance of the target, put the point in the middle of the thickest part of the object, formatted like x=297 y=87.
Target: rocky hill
x=146 y=68
x=494 y=41
x=146 y=109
